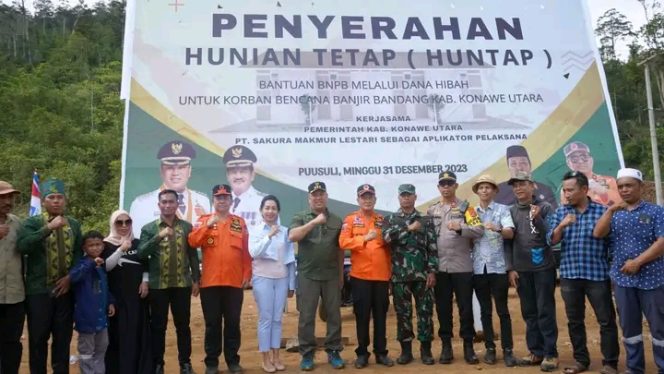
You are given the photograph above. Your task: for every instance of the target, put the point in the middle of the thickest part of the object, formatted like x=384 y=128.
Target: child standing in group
x=93 y=304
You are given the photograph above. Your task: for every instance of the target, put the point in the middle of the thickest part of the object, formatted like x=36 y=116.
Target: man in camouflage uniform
x=414 y=263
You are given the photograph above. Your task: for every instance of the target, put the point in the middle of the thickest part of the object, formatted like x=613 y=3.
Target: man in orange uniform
x=224 y=241
x=370 y=273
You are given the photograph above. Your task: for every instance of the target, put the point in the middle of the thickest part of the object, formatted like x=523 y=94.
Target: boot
x=446 y=354
x=469 y=353
x=490 y=356
x=425 y=353
x=508 y=357
x=406 y=355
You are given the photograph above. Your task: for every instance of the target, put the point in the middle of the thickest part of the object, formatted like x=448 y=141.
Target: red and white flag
x=35 y=199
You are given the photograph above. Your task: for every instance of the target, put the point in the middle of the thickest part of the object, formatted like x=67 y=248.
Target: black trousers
x=12 y=317
x=370 y=298
x=49 y=317
x=461 y=285
x=574 y=292
x=222 y=304
x=538 y=308
x=179 y=299
x=494 y=286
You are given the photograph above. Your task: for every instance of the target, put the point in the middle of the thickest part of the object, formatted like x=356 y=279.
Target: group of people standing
x=116 y=290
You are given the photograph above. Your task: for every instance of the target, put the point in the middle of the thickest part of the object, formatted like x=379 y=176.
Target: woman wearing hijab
x=273 y=270
x=129 y=330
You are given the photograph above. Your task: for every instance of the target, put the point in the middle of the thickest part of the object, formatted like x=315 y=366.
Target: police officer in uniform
x=239 y=161
x=602 y=189
x=175 y=172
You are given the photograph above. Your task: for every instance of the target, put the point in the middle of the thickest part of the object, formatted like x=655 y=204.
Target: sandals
x=576 y=368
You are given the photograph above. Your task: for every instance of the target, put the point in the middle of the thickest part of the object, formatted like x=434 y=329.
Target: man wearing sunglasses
x=602 y=189
x=457 y=226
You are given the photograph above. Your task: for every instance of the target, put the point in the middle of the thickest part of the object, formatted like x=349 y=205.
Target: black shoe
x=186 y=369
x=508 y=357
x=469 y=353
x=361 y=361
x=211 y=370
x=446 y=354
x=406 y=356
x=159 y=369
x=235 y=368
x=490 y=356
x=384 y=360
x=425 y=353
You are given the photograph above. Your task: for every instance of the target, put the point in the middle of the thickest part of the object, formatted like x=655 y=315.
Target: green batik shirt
x=318 y=252
x=49 y=254
x=172 y=262
x=414 y=254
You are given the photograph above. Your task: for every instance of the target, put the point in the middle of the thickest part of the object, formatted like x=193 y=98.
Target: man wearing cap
x=601 y=188
x=224 y=241
x=457 y=225
x=51 y=244
x=636 y=228
x=319 y=275
x=246 y=200
x=518 y=160
x=532 y=270
x=175 y=172
x=12 y=290
x=584 y=273
x=361 y=233
x=490 y=269
x=174 y=276
x=414 y=255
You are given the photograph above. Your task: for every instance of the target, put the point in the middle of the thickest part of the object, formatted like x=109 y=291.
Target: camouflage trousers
x=403 y=294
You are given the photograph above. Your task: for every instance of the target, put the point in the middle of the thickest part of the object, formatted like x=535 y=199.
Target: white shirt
x=248 y=207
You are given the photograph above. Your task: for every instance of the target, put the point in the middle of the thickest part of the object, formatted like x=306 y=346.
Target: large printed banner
x=270 y=96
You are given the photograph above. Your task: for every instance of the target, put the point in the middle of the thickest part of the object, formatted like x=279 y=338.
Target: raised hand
x=166 y=232
x=57 y=222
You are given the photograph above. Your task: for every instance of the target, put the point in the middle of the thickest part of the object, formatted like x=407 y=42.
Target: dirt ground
x=250 y=358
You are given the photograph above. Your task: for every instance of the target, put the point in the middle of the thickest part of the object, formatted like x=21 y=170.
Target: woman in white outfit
x=273 y=279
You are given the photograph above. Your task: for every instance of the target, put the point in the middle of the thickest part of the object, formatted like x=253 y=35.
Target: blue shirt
x=91 y=296
x=632 y=233
x=582 y=256
x=489 y=250
x=261 y=247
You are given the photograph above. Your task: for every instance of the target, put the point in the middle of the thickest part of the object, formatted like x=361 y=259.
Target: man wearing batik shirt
x=412 y=242
x=51 y=243
x=636 y=228
x=174 y=276
x=490 y=269
x=584 y=272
